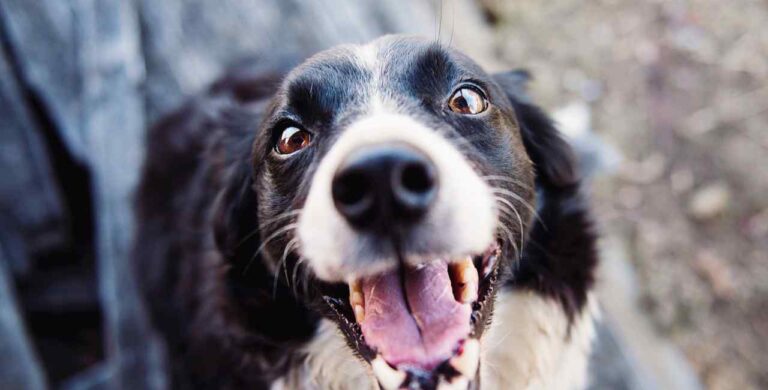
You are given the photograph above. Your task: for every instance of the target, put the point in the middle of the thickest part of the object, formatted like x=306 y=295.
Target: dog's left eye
x=292 y=139
x=468 y=100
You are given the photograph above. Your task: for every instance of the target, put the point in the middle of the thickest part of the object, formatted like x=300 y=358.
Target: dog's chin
x=419 y=327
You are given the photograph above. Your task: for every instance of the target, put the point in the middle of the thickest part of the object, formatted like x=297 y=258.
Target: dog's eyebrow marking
x=369 y=57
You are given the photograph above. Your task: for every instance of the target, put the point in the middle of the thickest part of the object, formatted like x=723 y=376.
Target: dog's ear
x=561 y=259
x=551 y=155
x=235 y=219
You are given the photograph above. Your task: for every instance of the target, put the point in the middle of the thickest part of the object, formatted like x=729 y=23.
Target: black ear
x=552 y=156
x=560 y=254
x=275 y=318
x=235 y=218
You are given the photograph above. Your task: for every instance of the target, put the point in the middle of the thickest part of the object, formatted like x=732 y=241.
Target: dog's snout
x=384 y=186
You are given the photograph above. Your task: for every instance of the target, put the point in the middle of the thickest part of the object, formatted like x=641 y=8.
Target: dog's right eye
x=468 y=101
x=292 y=139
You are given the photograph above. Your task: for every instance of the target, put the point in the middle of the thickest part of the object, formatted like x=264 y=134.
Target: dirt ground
x=680 y=89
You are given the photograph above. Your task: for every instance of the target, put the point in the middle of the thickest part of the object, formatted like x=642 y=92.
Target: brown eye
x=292 y=140
x=467 y=101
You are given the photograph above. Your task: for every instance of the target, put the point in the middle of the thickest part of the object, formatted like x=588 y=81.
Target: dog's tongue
x=426 y=335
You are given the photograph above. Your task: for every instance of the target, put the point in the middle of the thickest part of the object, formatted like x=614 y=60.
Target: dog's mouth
x=419 y=327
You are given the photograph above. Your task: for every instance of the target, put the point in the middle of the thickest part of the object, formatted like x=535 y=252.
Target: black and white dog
x=385 y=215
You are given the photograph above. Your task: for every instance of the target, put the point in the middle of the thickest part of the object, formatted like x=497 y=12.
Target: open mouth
x=419 y=327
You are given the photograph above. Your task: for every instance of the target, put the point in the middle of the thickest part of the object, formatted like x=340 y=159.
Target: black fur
x=216 y=288
x=561 y=255
x=194 y=206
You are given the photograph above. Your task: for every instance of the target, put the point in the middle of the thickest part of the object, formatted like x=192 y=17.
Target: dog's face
x=392 y=179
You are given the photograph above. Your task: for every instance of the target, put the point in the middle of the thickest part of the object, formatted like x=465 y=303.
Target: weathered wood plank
x=82 y=61
x=43 y=37
x=112 y=121
x=32 y=217
x=19 y=366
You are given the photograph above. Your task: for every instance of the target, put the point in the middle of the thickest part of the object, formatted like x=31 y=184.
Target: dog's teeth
x=356 y=300
x=389 y=378
x=490 y=261
x=466 y=363
x=359 y=314
x=458 y=383
x=468 y=293
x=355 y=286
x=465 y=280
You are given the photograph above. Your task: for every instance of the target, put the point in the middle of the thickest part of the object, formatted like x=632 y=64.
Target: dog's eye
x=468 y=100
x=292 y=139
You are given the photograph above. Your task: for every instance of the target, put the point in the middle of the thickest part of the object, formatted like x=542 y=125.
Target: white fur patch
x=461 y=221
x=528 y=345
x=330 y=364
x=369 y=58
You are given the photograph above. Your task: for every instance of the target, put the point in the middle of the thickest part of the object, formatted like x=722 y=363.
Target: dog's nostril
x=413 y=188
x=352 y=194
x=417 y=177
x=350 y=188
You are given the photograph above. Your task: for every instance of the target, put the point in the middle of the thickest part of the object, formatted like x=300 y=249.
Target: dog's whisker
x=501 y=191
x=504 y=202
x=300 y=263
x=282 y=263
x=506 y=219
x=267 y=223
x=269 y=239
x=511 y=238
x=279 y=217
x=247 y=237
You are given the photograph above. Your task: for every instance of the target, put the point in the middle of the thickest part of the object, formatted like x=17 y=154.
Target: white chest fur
x=528 y=346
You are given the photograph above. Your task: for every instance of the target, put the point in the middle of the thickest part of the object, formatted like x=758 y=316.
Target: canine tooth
x=467 y=271
x=466 y=363
x=356 y=298
x=489 y=261
x=468 y=292
x=355 y=286
x=389 y=378
x=359 y=313
x=466 y=280
x=488 y=265
x=457 y=383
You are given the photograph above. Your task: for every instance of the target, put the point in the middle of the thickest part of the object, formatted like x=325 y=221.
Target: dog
x=386 y=215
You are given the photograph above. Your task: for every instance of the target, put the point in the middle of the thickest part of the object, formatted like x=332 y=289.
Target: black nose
x=382 y=187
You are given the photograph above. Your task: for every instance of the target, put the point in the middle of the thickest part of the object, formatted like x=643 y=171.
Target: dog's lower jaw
x=530 y=345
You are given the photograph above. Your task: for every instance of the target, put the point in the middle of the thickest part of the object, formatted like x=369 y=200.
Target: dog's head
x=395 y=188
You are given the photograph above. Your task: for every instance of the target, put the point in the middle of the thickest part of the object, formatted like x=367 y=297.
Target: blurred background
x=665 y=101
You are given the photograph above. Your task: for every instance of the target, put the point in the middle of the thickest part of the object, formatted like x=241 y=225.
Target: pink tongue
x=429 y=333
